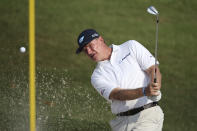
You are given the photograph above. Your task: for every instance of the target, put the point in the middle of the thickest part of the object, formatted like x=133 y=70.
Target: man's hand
x=151 y=71
x=153 y=89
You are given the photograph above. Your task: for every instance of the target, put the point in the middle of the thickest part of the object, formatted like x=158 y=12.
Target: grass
x=65 y=98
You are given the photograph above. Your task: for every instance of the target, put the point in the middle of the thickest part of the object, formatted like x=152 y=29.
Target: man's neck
x=108 y=53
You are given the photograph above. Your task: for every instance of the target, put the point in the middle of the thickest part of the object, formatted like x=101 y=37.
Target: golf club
x=152 y=10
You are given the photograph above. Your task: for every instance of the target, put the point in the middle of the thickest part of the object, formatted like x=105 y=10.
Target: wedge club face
x=152 y=10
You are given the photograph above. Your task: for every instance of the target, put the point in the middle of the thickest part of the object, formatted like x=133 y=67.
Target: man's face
x=94 y=49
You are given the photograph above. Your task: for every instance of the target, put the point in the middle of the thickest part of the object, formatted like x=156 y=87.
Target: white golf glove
x=155 y=98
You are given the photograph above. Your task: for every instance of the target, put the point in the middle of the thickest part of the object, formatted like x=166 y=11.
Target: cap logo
x=81 y=39
x=94 y=35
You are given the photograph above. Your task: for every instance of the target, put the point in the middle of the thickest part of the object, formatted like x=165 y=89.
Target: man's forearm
x=131 y=94
x=126 y=94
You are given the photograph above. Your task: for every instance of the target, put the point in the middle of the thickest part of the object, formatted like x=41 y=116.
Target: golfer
x=124 y=76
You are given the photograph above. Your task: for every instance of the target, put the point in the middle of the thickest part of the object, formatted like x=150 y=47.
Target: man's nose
x=89 y=51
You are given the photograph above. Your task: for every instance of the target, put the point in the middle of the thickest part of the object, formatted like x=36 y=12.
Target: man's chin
x=95 y=59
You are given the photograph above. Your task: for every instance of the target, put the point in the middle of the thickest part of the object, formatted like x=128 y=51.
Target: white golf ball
x=22 y=49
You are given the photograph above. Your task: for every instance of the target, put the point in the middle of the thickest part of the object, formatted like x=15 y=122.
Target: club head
x=152 y=10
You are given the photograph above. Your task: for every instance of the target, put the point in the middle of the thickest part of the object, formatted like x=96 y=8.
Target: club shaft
x=156 y=46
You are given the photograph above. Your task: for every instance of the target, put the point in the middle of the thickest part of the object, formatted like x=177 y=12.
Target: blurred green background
x=66 y=101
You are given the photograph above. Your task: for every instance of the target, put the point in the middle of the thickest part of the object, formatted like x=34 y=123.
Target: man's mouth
x=92 y=55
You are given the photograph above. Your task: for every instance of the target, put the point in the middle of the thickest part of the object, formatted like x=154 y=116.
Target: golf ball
x=22 y=49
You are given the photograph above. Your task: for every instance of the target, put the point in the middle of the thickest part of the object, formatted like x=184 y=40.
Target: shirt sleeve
x=144 y=58
x=103 y=85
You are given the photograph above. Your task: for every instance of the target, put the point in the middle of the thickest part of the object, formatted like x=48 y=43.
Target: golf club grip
x=155 y=80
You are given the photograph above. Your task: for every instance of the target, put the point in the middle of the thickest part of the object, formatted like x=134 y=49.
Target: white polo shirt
x=125 y=69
